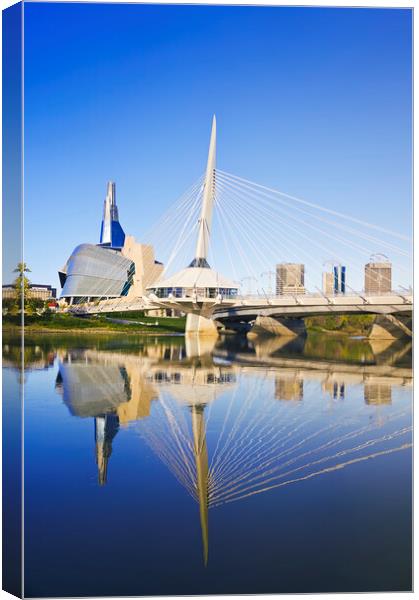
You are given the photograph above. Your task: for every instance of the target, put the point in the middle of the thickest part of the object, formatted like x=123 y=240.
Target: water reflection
x=106 y=428
x=231 y=419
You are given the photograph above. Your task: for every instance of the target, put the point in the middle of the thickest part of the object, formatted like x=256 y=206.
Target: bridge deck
x=251 y=306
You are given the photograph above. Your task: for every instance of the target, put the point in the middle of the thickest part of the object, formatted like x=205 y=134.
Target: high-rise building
x=334 y=282
x=378 y=277
x=289 y=279
x=339 y=279
x=328 y=283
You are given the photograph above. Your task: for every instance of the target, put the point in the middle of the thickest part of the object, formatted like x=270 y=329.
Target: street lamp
x=249 y=279
x=269 y=274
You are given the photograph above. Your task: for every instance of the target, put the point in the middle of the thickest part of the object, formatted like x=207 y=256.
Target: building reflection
x=26 y=358
x=335 y=389
x=377 y=393
x=108 y=388
x=289 y=387
x=116 y=388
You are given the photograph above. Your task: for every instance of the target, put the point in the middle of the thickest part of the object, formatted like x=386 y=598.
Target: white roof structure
x=199 y=277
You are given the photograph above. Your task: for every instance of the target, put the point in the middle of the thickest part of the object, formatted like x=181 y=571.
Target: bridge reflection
x=256 y=440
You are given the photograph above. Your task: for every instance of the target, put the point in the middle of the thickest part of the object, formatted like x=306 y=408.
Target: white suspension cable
x=335 y=224
x=318 y=207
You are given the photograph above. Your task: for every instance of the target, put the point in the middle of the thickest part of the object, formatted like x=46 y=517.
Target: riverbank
x=66 y=323
x=136 y=323
x=341 y=324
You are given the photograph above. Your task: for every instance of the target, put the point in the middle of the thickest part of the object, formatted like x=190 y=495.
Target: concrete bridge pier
x=390 y=327
x=390 y=352
x=196 y=324
x=283 y=326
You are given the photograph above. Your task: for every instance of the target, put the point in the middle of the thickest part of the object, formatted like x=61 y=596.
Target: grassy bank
x=343 y=324
x=135 y=322
x=59 y=323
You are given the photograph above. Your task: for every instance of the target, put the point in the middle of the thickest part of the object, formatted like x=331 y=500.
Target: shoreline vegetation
x=114 y=323
x=341 y=324
x=134 y=323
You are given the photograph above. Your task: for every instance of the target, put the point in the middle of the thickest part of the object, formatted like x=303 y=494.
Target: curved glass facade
x=97 y=272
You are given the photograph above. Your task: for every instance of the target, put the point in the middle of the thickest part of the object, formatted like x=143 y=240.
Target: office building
x=339 y=279
x=289 y=279
x=328 y=281
x=378 y=277
x=39 y=291
x=334 y=282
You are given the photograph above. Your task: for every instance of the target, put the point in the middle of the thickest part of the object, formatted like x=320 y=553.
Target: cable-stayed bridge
x=245 y=229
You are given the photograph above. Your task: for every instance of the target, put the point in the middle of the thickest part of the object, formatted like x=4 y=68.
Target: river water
x=171 y=466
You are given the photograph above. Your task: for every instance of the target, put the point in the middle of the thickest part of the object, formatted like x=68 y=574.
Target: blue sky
x=315 y=102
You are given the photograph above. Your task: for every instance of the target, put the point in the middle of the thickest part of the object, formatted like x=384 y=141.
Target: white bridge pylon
x=204 y=232
x=198 y=288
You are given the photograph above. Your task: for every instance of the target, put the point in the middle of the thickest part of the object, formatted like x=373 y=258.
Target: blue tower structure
x=111 y=233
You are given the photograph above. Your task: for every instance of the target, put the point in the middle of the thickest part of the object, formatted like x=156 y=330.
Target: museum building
x=117 y=266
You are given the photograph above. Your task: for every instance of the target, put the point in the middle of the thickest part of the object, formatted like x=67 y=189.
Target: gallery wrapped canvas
x=207 y=299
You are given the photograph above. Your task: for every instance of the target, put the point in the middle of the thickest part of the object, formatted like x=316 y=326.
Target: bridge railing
x=351 y=294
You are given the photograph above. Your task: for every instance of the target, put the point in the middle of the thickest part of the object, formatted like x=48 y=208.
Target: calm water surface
x=165 y=466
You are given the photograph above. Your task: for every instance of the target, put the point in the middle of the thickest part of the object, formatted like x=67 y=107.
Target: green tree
x=22 y=287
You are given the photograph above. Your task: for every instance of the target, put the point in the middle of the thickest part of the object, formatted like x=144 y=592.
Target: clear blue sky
x=315 y=102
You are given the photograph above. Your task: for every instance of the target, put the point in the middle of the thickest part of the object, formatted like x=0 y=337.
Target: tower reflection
x=106 y=428
x=256 y=444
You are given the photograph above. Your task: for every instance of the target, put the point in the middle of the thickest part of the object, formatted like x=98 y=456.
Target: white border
x=319 y=3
